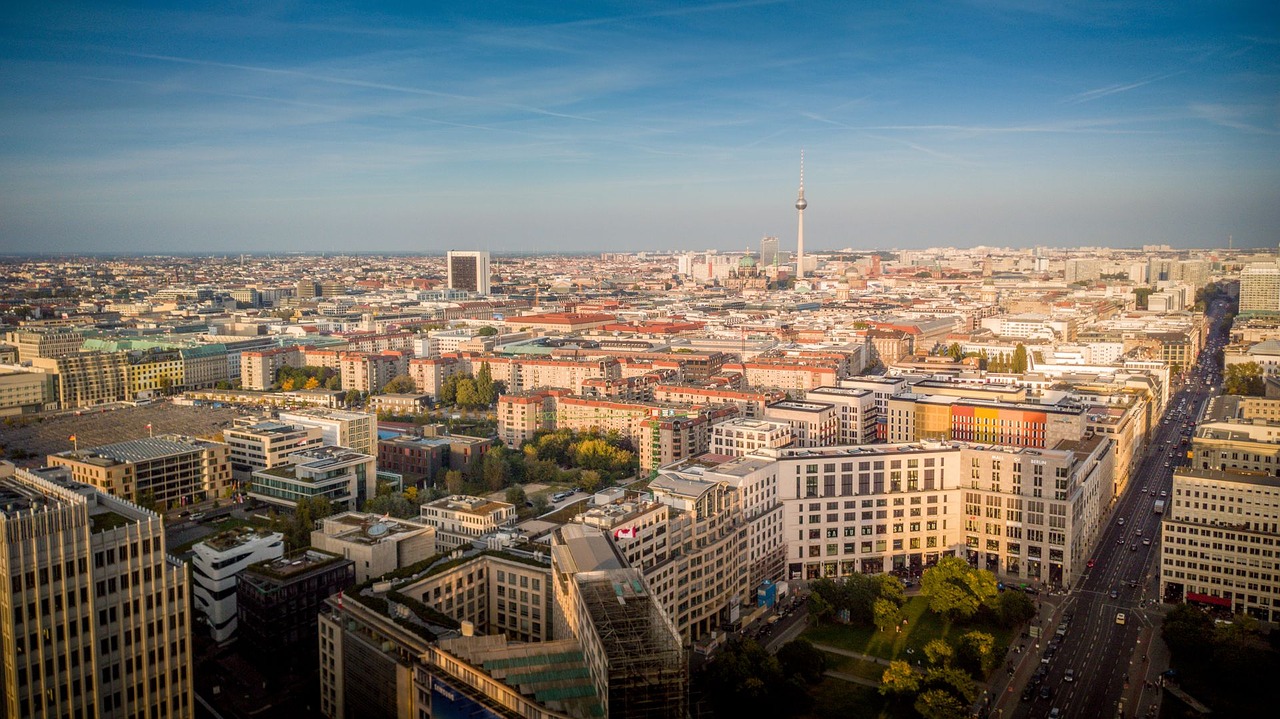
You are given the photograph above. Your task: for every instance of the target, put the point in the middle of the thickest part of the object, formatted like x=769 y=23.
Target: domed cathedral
x=747 y=275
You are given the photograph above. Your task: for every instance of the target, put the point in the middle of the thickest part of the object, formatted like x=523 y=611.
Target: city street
x=1112 y=662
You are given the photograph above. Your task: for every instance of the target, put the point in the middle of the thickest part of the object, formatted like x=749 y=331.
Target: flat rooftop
x=470 y=505
x=292 y=566
x=363 y=528
x=136 y=450
x=801 y=406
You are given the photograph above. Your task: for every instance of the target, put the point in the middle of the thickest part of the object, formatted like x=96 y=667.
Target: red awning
x=1208 y=599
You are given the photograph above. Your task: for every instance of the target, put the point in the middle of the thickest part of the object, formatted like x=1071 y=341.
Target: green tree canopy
x=887 y=614
x=956 y=589
x=395 y=504
x=938 y=652
x=800 y=659
x=940 y=704
x=1244 y=379
x=899 y=679
x=400 y=384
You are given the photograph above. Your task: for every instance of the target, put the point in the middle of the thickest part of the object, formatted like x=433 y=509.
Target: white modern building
x=375 y=544
x=461 y=519
x=345 y=477
x=215 y=562
x=469 y=271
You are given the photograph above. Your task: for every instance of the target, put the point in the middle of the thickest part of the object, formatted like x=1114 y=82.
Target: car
x=1120 y=521
x=1054 y=713
x=197 y=516
x=1166 y=464
x=1046 y=691
x=1138 y=531
x=1133 y=547
x=1070 y=676
x=1027 y=694
x=1120 y=540
x=1163 y=493
x=1146 y=542
x=1113 y=594
x=1091 y=563
x=1120 y=618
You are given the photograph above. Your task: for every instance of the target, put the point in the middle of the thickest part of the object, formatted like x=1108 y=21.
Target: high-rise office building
x=1260 y=288
x=469 y=271
x=768 y=251
x=94 y=621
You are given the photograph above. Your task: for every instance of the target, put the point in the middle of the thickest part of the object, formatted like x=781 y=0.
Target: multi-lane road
x=1102 y=655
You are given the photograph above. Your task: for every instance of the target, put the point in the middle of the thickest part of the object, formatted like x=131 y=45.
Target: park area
x=872 y=651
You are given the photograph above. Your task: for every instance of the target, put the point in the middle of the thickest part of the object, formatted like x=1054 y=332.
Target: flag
x=148 y=425
x=626 y=533
x=72 y=438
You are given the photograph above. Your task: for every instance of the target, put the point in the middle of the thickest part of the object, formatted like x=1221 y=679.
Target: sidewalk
x=1049 y=614
x=847 y=653
x=851 y=678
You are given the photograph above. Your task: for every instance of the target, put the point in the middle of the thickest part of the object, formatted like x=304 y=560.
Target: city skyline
x=318 y=128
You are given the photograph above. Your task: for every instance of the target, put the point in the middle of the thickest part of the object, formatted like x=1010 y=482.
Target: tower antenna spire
x=801 y=203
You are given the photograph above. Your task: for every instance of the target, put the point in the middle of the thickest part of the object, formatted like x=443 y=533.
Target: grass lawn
x=836 y=699
x=857 y=667
x=922 y=627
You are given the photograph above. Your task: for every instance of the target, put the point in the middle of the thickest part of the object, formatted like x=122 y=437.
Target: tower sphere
x=801 y=204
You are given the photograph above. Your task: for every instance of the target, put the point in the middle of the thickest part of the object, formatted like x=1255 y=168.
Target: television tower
x=800 y=205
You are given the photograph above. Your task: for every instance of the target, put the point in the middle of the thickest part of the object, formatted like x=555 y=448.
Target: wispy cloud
x=1230 y=116
x=1101 y=92
x=897 y=140
x=357 y=83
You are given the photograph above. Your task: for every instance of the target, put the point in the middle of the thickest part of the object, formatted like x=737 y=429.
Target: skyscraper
x=469 y=271
x=1260 y=288
x=768 y=251
x=95 y=619
x=800 y=205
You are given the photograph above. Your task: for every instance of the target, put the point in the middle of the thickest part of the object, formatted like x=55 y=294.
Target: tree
x=938 y=652
x=466 y=394
x=800 y=659
x=1141 y=294
x=400 y=384
x=394 y=504
x=956 y=589
x=940 y=704
x=449 y=389
x=484 y=385
x=955 y=351
x=977 y=652
x=486 y=331
x=312 y=383
x=516 y=496
x=899 y=679
x=287 y=385
x=589 y=481
x=1187 y=631
x=541 y=505
x=891 y=588
x=453 y=481
x=887 y=614
x=494 y=470
x=1014 y=608
x=353 y=396
x=1019 y=363
x=411 y=494
x=333 y=383
x=1244 y=379
x=820 y=607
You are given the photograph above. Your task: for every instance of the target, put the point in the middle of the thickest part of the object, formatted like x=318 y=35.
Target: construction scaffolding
x=644 y=660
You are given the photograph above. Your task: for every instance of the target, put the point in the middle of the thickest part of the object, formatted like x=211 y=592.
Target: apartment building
x=429 y=374
x=1023 y=513
x=261 y=444
x=88 y=378
x=741 y=435
x=53 y=342
x=167 y=469
x=357 y=430
x=855 y=410
x=215 y=562
x=813 y=424
x=496 y=592
x=343 y=476
x=368 y=372
x=795 y=378
x=23 y=392
x=460 y=519
x=521 y=416
x=1218 y=541
x=80 y=639
x=751 y=404
x=374 y=544
x=668 y=438
x=258 y=367
x=881 y=388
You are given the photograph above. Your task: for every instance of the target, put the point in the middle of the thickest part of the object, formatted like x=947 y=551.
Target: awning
x=1208 y=599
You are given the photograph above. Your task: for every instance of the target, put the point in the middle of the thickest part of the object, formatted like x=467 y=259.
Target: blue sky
x=539 y=126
